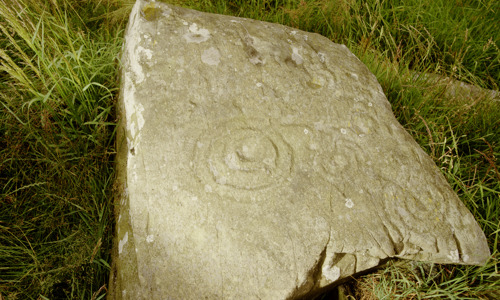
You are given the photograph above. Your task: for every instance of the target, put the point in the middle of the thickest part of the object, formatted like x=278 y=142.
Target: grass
x=58 y=70
x=57 y=126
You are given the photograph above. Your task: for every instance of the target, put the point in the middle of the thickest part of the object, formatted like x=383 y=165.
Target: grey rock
x=257 y=161
x=458 y=90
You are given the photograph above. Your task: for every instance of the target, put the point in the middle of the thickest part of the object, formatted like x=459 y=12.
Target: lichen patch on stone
x=296 y=57
x=196 y=35
x=144 y=52
x=122 y=243
x=211 y=56
x=349 y=203
x=150 y=238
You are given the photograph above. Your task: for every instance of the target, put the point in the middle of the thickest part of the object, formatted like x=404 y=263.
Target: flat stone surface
x=257 y=161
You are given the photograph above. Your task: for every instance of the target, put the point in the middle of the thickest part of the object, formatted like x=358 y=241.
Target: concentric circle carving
x=242 y=154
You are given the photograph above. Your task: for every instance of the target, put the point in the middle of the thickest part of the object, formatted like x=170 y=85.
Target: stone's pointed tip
x=261 y=160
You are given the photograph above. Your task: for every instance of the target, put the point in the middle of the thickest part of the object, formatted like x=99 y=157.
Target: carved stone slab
x=257 y=161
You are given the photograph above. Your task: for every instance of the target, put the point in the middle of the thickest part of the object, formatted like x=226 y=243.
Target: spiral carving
x=242 y=154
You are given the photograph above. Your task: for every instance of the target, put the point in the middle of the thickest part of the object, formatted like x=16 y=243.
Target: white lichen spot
x=140 y=118
x=199 y=144
x=231 y=161
x=330 y=273
x=354 y=75
x=122 y=243
x=306 y=131
x=150 y=238
x=133 y=112
x=256 y=60
x=454 y=256
x=208 y=188
x=343 y=131
x=320 y=125
x=245 y=150
x=296 y=56
x=259 y=84
x=221 y=180
x=293 y=32
x=349 y=203
x=193 y=28
x=268 y=162
x=370 y=104
x=144 y=52
x=136 y=68
x=211 y=56
x=196 y=35
x=321 y=56
x=185 y=23
x=306 y=37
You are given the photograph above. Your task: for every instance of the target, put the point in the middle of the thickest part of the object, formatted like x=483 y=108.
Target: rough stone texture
x=459 y=90
x=257 y=161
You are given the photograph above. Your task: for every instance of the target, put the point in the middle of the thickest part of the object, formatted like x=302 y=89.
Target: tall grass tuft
x=57 y=126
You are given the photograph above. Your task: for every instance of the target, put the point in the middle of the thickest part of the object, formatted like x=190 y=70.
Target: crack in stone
x=398 y=247
x=313 y=277
x=459 y=248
